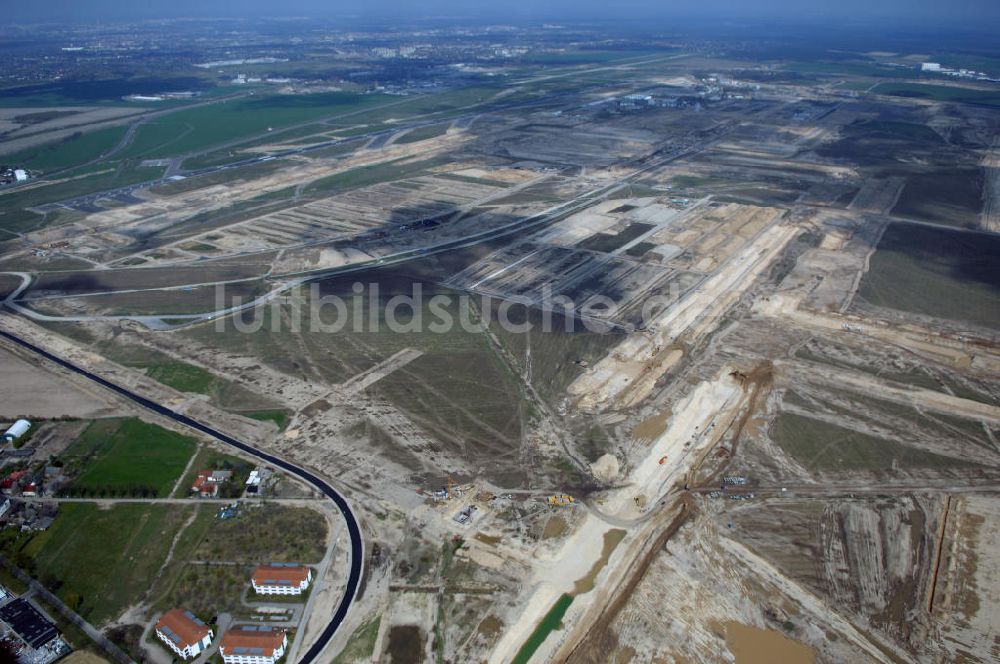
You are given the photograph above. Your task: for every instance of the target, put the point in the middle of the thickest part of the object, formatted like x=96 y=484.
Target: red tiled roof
x=201 y=480
x=189 y=629
x=267 y=639
x=274 y=575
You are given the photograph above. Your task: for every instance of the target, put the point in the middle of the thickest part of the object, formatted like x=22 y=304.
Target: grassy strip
x=374 y=174
x=423 y=133
x=361 y=644
x=279 y=417
x=183 y=377
x=940 y=93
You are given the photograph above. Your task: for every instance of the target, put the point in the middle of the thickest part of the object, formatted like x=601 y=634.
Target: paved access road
x=353 y=530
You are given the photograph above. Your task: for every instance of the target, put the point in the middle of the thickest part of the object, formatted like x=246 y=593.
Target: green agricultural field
x=127 y=456
x=940 y=93
x=76 y=149
x=195 y=129
x=100 y=560
x=936 y=272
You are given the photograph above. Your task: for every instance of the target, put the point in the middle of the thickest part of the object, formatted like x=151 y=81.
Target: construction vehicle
x=662 y=459
x=448 y=492
x=561 y=500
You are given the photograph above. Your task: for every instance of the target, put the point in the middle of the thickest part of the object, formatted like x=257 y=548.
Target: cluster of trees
x=206 y=590
x=110 y=491
x=128 y=637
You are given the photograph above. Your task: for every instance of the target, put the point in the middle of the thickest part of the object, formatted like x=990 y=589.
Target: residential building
x=207 y=483
x=281 y=579
x=253 y=644
x=12 y=482
x=184 y=633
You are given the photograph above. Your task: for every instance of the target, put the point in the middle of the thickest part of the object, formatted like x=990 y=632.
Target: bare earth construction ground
x=780 y=436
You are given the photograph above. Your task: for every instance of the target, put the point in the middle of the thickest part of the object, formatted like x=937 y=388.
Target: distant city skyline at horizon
x=970 y=13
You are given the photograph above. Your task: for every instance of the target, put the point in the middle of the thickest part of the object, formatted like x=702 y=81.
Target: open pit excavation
x=354 y=340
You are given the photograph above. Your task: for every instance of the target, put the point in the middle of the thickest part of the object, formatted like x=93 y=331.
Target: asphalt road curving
x=353 y=530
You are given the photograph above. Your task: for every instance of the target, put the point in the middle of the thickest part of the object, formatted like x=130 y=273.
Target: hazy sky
x=976 y=13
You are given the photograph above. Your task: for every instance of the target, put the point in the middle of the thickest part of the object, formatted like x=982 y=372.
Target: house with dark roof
x=184 y=633
x=253 y=644
x=281 y=579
